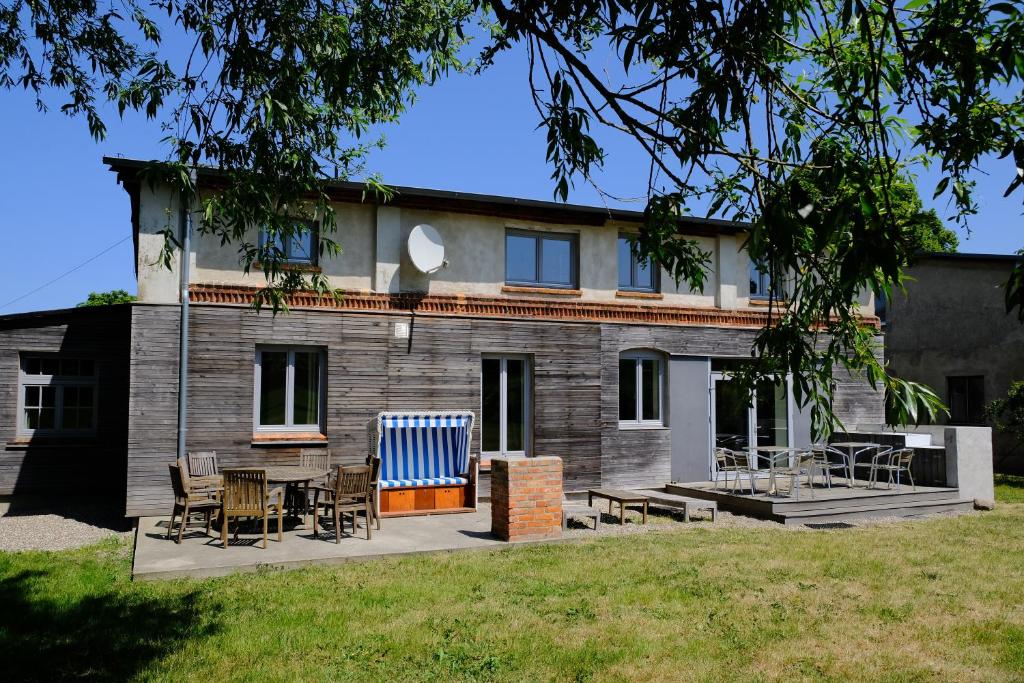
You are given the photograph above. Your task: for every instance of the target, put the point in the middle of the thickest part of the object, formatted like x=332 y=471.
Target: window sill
x=24 y=443
x=765 y=302
x=296 y=267
x=520 y=289
x=637 y=427
x=271 y=439
x=626 y=294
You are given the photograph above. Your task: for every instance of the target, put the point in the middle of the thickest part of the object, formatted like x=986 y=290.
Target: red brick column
x=526 y=498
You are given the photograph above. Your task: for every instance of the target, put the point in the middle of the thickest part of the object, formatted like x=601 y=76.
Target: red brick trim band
x=494 y=307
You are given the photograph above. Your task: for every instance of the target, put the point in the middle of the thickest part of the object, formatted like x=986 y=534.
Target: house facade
x=950 y=330
x=541 y=322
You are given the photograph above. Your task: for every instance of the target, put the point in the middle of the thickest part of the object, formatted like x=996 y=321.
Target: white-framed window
x=635 y=275
x=761 y=285
x=56 y=396
x=541 y=259
x=300 y=247
x=641 y=389
x=505 y=406
x=289 y=389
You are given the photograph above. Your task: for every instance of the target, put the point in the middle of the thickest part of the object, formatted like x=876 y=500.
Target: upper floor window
x=966 y=399
x=641 y=389
x=635 y=274
x=544 y=259
x=289 y=389
x=761 y=285
x=57 y=396
x=299 y=247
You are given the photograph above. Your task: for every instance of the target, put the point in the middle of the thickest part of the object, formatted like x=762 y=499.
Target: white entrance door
x=504 y=409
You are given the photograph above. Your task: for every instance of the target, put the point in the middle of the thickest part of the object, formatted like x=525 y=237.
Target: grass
x=915 y=601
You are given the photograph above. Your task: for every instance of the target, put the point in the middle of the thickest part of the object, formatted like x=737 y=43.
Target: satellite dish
x=426 y=249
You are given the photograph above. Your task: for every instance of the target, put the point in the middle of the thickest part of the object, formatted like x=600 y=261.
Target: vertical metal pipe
x=185 y=220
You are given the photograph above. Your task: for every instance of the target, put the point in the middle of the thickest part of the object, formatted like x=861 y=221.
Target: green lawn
x=934 y=600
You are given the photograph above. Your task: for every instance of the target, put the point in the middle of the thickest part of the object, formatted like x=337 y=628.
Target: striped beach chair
x=425 y=461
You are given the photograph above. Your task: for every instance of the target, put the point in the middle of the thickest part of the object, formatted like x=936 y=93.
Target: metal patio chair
x=727 y=461
x=893 y=461
x=826 y=459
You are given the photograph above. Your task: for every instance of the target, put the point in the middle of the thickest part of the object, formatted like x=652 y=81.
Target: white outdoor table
x=852 y=447
x=770 y=451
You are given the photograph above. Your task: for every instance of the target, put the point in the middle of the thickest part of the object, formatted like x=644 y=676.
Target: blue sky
x=59 y=205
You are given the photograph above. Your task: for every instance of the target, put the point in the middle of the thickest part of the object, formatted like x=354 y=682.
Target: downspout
x=185 y=221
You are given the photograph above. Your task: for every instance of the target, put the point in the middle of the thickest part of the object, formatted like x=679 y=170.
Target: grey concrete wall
x=969 y=463
x=952 y=322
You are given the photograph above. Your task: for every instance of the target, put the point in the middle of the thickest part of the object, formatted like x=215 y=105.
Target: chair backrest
x=317 y=458
x=180 y=492
x=353 y=481
x=245 y=490
x=202 y=463
x=186 y=480
x=723 y=458
x=902 y=457
x=421 y=445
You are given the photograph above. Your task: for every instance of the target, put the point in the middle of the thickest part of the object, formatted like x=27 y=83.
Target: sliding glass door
x=505 y=403
x=740 y=420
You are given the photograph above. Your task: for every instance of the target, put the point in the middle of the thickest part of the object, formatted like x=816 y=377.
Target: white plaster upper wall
x=158 y=211
x=474 y=246
x=352 y=269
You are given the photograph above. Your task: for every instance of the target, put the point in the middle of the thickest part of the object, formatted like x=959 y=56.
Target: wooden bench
x=685 y=503
x=425 y=465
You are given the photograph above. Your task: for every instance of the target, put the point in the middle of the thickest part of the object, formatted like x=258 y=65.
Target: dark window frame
x=634 y=265
x=977 y=412
x=286 y=248
x=539 y=236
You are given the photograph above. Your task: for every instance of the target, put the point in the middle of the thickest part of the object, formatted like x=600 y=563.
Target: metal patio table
x=852 y=449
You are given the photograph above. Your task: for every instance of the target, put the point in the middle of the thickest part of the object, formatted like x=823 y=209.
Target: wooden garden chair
x=202 y=468
x=245 y=495
x=349 y=492
x=318 y=458
x=187 y=502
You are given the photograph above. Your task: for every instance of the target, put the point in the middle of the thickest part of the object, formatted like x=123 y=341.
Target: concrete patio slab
x=200 y=556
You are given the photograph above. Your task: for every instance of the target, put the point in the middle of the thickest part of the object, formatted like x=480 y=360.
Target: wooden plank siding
x=575 y=385
x=81 y=466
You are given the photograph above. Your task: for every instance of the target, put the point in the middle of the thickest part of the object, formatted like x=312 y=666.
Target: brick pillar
x=526 y=498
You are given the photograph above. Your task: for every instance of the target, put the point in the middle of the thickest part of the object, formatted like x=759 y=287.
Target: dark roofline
x=467 y=202
x=958 y=256
x=26 y=318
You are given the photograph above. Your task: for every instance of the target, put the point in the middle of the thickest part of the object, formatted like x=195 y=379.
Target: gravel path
x=48 y=531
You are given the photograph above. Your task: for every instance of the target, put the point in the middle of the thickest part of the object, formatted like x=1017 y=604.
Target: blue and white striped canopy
x=425 y=449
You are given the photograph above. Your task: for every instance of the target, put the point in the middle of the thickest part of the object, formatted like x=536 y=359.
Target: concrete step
x=849 y=514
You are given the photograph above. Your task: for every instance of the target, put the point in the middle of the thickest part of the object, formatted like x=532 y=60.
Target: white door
x=505 y=406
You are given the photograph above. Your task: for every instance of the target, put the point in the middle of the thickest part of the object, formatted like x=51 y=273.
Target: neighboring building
x=542 y=323
x=951 y=331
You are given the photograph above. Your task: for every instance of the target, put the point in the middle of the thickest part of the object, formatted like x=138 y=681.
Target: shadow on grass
x=100 y=635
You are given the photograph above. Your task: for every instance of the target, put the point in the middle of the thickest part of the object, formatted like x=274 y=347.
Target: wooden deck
x=841 y=503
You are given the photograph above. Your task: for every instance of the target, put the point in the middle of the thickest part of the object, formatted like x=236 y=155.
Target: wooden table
x=623 y=498
x=292 y=476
